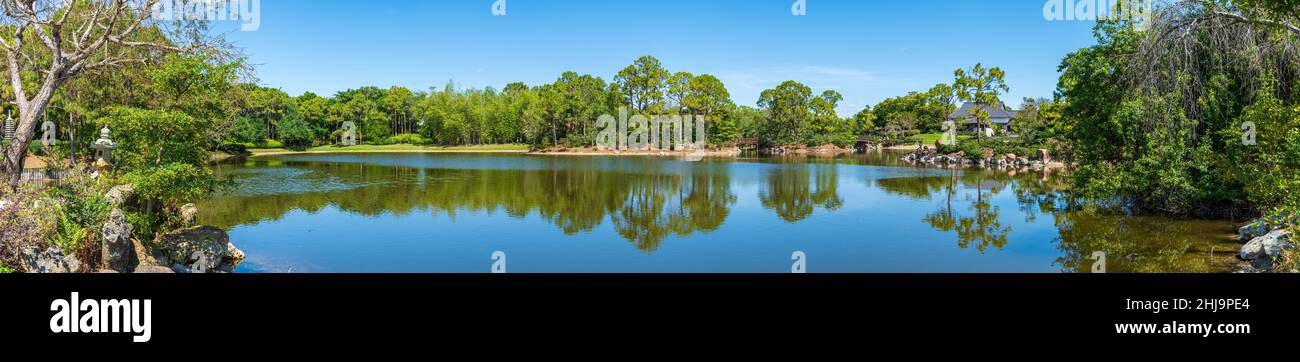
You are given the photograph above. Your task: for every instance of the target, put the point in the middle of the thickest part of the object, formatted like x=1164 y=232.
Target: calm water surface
x=860 y=213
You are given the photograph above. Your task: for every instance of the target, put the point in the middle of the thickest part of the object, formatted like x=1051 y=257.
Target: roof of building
x=999 y=114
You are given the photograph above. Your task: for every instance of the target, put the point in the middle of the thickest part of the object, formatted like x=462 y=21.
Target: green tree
x=788 y=113
x=982 y=86
x=708 y=97
x=643 y=83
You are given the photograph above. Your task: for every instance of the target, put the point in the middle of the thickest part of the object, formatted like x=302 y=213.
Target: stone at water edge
x=1267 y=246
x=1044 y=156
x=203 y=248
x=146 y=262
x=117 y=250
x=189 y=215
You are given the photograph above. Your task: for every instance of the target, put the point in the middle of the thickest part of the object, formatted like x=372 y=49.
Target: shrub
x=173 y=182
x=294 y=130
x=269 y=143
x=233 y=148
x=408 y=138
x=22 y=224
x=78 y=205
x=150 y=138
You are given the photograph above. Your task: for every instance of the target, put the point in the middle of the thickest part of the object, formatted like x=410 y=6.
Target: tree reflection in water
x=647 y=201
x=645 y=205
x=1132 y=243
x=795 y=191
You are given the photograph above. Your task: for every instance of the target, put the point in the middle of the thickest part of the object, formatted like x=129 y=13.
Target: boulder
x=146 y=262
x=1255 y=229
x=117 y=250
x=153 y=269
x=120 y=195
x=189 y=215
x=1044 y=156
x=1267 y=246
x=200 y=249
x=48 y=261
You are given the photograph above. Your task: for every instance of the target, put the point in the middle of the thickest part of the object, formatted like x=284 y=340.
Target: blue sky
x=868 y=50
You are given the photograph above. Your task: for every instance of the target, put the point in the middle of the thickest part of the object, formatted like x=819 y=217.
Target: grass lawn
x=931 y=138
x=398 y=148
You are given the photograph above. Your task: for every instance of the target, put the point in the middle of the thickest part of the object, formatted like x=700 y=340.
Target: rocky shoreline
x=1264 y=241
x=927 y=157
x=190 y=249
x=561 y=151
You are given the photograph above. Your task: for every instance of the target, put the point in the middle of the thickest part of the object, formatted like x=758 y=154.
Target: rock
x=234 y=256
x=200 y=249
x=1256 y=229
x=117 y=250
x=146 y=262
x=1267 y=246
x=48 y=261
x=120 y=195
x=1044 y=156
x=189 y=215
x=153 y=269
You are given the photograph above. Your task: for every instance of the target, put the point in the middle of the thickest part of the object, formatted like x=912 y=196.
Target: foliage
x=926 y=111
x=795 y=116
x=981 y=86
x=150 y=138
x=408 y=138
x=177 y=182
x=1171 y=141
x=294 y=130
x=79 y=204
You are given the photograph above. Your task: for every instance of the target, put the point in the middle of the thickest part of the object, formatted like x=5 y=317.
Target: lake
x=389 y=212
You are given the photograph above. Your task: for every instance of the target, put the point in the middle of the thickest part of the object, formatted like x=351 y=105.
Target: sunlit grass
x=931 y=138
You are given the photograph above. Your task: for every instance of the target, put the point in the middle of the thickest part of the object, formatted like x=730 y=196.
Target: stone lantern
x=103 y=149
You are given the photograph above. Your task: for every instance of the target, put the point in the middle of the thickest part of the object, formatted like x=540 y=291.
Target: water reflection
x=645 y=205
x=852 y=207
x=795 y=191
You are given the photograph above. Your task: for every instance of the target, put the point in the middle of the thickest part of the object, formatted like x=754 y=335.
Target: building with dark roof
x=999 y=119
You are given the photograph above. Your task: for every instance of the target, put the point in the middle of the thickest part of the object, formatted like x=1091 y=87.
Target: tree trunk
x=16 y=152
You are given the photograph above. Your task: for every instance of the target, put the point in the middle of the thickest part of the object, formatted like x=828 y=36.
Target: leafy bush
x=4 y=269
x=294 y=131
x=999 y=147
x=150 y=138
x=22 y=223
x=80 y=206
x=175 y=182
x=248 y=129
x=233 y=148
x=408 y=138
